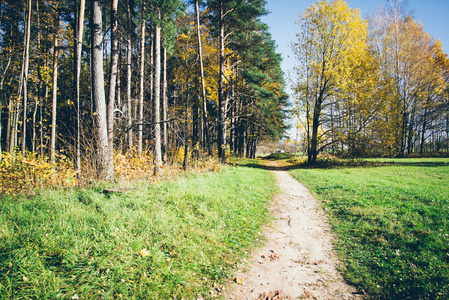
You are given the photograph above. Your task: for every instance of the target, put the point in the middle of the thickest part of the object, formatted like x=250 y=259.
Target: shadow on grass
x=273 y=168
x=424 y=164
x=287 y=162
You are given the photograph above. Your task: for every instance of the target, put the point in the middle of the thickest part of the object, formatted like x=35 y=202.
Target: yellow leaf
x=144 y=252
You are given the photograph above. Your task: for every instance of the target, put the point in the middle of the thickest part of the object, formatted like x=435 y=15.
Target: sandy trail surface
x=298 y=261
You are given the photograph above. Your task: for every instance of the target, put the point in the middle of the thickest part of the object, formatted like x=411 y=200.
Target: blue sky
x=433 y=14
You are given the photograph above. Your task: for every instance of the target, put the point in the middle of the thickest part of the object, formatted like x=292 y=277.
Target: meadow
x=391 y=222
x=175 y=239
x=185 y=237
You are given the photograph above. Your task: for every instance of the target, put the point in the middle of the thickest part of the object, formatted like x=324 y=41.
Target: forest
x=369 y=87
x=106 y=88
x=88 y=84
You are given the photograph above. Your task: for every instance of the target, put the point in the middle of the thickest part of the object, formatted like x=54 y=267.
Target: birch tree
x=78 y=53
x=25 y=78
x=333 y=39
x=54 y=87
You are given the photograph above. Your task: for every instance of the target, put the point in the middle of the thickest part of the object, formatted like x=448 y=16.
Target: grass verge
x=170 y=240
x=391 y=221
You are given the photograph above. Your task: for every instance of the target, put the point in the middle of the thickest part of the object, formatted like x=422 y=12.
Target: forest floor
x=298 y=261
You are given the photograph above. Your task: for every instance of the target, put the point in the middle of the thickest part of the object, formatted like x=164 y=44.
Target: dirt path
x=298 y=261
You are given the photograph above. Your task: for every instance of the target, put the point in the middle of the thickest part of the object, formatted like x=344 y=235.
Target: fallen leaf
x=144 y=252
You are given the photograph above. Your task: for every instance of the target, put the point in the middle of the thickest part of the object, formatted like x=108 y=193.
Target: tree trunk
x=14 y=106
x=98 y=93
x=2 y=94
x=118 y=101
x=9 y=125
x=447 y=132
x=38 y=86
x=164 y=105
x=312 y=155
x=186 y=123
x=195 y=119
x=78 y=53
x=221 y=93
x=128 y=78
x=410 y=136
x=142 y=80
x=151 y=77
x=203 y=88
x=112 y=86
x=118 y=86
x=55 y=90
x=157 y=96
x=25 y=79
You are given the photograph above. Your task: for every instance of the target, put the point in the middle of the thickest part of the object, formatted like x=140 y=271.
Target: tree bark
x=112 y=85
x=142 y=79
x=10 y=126
x=25 y=79
x=3 y=76
x=157 y=96
x=128 y=78
x=186 y=123
x=98 y=93
x=164 y=105
x=78 y=53
x=55 y=90
x=313 y=152
x=221 y=93
x=39 y=80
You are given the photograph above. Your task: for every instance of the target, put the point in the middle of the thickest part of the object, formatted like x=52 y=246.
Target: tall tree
x=25 y=77
x=112 y=85
x=332 y=38
x=203 y=87
x=55 y=86
x=142 y=81
x=157 y=95
x=98 y=93
x=78 y=53
x=230 y=18
x=164 y=105
x=128 y=74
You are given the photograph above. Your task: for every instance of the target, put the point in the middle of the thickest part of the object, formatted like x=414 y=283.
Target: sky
x=433 y=14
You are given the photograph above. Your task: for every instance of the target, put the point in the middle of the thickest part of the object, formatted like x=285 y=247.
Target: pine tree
x=103 y=155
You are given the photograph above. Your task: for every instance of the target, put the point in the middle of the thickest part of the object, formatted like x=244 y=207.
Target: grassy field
x=391 y=220
x=177 y=239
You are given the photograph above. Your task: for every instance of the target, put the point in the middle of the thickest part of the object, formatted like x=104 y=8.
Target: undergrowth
x=30 y=172
x=390 y=219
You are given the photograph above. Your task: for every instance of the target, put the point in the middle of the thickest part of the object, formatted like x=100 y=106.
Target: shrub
x=30 y=172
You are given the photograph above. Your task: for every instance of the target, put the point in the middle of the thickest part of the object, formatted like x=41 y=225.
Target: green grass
x=195 y=231
x=391 y=220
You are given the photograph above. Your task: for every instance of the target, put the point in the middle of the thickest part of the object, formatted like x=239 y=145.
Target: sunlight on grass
x=172 y=240
x=390 y=219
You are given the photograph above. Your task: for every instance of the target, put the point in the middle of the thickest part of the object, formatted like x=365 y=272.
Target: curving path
x=298 y=261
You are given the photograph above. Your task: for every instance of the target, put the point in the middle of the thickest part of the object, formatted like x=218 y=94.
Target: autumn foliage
x=376 y=87
x=28 y=173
